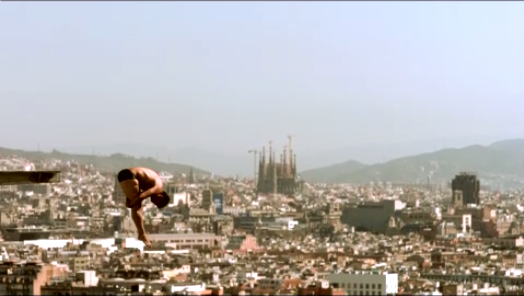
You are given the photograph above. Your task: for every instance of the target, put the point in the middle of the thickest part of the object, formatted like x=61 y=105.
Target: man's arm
x=156 y=189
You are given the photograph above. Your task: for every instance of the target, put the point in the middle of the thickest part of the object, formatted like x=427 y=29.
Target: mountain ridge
x=501 y=158
x=237 y=162
x=111 y=163
x=323 y=174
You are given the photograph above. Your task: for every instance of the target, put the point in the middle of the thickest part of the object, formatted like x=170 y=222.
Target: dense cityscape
x=272 y=235
x=261 y=148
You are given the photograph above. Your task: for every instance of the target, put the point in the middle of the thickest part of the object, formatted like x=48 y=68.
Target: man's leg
x=131 y=189
x=138 y=218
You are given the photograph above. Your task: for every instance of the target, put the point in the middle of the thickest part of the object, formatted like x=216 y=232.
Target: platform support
x=29 y=177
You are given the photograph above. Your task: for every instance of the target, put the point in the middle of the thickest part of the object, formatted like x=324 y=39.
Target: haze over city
x=190 y=81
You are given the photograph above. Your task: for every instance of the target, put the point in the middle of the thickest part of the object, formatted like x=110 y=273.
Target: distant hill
x=514 y=146
x=325 y=174
x=501 y=160
x=112 y=163
x=236 y=161
x=219 y=163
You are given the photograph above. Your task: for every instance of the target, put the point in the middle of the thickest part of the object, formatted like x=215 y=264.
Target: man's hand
x=136 y=200
x=156 y=189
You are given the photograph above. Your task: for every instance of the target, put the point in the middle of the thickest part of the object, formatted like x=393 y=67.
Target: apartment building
x=27 y=278
x=365 y=283
x=187 y=240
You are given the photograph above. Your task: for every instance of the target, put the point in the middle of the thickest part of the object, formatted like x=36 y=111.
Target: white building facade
x=365 y=283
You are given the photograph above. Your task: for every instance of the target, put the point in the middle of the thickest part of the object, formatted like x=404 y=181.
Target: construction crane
x=254 y=152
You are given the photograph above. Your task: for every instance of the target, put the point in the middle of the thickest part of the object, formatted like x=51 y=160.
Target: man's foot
x=145 y=240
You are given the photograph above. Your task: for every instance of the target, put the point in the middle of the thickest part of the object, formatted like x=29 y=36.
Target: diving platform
x=28 y=177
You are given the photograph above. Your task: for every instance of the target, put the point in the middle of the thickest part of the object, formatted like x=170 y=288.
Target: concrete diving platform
x=29 y=177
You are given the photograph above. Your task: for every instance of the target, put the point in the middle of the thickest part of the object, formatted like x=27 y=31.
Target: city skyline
x=261 y=148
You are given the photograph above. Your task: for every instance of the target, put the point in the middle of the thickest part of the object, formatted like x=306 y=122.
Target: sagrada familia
x=277 y=177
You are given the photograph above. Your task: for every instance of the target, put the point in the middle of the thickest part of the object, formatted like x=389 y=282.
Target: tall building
x=50 y=207
x=207 y=201
x=27 y=278
x=466 y=186
x=191 y=177
x=277 y=176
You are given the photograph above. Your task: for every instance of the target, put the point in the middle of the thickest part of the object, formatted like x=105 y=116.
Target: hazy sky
x=234 y=75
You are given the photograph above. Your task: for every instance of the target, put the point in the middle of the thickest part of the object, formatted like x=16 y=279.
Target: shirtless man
x=139 y=184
